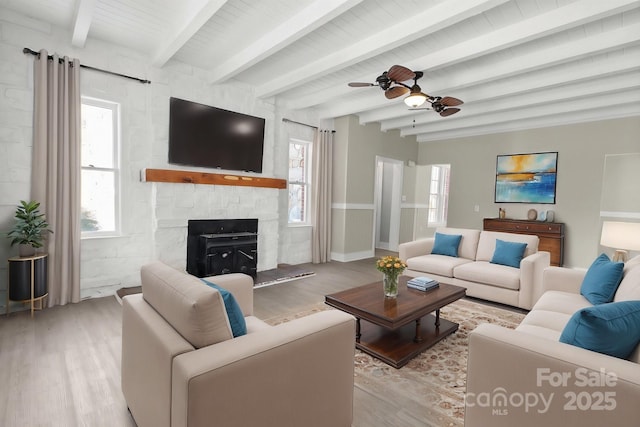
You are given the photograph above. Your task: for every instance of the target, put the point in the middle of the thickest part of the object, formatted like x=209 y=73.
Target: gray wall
x=581 y=156
x=355 y=149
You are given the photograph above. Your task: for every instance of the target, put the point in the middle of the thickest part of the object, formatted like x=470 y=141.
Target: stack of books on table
x=422 y=283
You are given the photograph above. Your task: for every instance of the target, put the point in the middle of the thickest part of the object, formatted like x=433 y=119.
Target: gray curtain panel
x=322 y=196
x=55 y=173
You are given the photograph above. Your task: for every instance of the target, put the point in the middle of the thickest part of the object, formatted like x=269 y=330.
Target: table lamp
x=622 y=236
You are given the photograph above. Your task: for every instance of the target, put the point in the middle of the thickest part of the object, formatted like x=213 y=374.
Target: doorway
x=387 y=201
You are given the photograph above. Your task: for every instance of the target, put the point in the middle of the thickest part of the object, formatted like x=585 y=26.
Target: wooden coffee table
x=397 y=329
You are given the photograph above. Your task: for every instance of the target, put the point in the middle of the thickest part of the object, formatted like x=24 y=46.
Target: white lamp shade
x=415 y=99
x=621 y=235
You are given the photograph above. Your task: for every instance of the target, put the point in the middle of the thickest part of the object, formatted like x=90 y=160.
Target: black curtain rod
x=303 y=124
x=88 y=67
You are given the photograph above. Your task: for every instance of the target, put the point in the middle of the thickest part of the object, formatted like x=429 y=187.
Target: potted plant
x=30 y=228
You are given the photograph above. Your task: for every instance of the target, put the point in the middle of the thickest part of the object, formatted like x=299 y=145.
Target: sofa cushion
x=441 y=265
x=609 y=328
x=446 y=244
x=601 y=281
x=487 y=243
x=195 y=311
x=561 y=302
x=629 y=288
x=508 y=253
x=468 y=243
x=489 y=274
x=234 y=313
x=552 y=321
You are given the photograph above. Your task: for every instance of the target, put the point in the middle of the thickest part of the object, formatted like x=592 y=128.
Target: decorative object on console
x=532 y=214
x=550 y=216
x=542 y=216
x=502 y=213
x=391 y=267
x=526 y=178
x=622 y=236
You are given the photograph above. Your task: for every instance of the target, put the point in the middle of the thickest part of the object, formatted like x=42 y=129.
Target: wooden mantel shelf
x=190 y=177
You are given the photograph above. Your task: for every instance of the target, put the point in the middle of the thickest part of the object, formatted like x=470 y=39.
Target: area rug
x=430 y=389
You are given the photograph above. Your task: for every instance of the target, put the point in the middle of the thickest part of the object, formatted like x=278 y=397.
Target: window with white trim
x=299 y=181
x=438 y=196
x=100 y=176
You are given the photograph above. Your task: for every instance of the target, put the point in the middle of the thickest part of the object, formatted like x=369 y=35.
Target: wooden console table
x=551 y=234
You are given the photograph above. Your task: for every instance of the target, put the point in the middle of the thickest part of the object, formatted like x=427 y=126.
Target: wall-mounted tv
x=205 y=136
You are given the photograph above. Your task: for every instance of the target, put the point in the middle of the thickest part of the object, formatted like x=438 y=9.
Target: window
x=100 y=174
x=299 y=181
x=438 y=195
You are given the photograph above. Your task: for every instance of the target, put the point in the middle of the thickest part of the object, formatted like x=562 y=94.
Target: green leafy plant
x=31 y=225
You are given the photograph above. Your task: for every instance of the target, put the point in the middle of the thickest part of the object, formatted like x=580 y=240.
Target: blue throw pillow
x=601 y=281
x=508 y=253
x=234 y=313
x=611 y=328
x=446 y=244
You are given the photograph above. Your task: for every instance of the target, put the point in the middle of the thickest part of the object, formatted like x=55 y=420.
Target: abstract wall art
x=526 y=178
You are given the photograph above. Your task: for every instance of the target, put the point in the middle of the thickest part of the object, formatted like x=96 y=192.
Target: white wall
x=154 y=214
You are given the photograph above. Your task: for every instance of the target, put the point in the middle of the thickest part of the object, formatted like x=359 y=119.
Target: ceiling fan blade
x=449 y=101
x=398 y=73
x=360 y=84
x=449 y=111
x=396 y=91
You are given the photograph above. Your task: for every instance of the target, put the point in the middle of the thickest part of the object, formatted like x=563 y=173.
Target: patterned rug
x=430 y=389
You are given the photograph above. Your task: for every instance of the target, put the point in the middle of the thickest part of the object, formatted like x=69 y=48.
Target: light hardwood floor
x=62 y=368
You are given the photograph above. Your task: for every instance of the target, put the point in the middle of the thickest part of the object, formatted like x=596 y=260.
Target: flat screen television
x=205 y=136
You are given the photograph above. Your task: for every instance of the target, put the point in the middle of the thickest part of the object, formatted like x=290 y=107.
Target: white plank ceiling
x=516 y=64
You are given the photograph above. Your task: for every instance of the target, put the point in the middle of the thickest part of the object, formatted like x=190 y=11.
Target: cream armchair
x=182 y=367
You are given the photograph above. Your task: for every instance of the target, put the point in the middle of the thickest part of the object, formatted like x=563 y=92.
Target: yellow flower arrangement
x=391 y=265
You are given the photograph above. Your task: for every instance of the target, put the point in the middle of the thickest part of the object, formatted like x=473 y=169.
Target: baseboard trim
x=352 y=256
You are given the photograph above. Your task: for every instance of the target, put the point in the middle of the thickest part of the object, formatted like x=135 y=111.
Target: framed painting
x=526 y=178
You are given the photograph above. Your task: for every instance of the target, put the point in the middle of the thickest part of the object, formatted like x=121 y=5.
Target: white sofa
x=472 y=269
x=564 y=385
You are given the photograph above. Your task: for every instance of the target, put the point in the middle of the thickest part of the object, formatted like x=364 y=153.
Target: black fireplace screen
x=222 y=246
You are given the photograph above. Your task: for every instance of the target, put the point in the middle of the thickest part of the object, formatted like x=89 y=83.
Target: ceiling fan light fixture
x=415 y=99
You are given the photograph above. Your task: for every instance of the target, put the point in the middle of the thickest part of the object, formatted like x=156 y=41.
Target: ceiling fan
x=392 y=83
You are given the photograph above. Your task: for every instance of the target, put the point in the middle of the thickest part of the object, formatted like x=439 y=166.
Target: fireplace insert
x=222 y=246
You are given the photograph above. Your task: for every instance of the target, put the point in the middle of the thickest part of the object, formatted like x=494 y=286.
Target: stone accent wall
x=154 y=215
